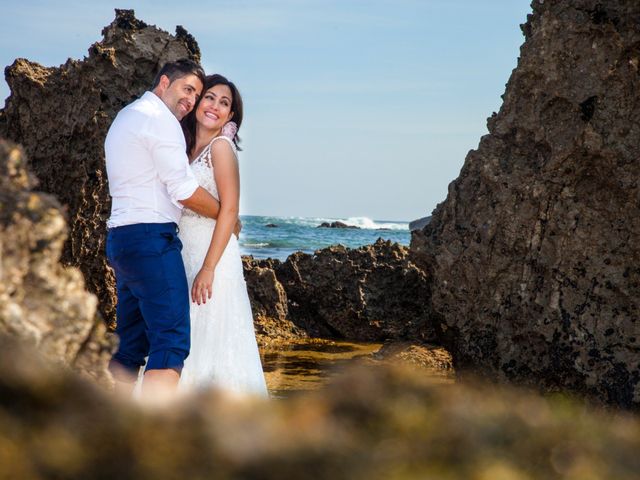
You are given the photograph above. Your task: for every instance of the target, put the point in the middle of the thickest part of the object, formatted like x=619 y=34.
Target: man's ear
x=163 y=84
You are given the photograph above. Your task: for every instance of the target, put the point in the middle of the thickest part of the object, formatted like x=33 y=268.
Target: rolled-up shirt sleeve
x=173 y=169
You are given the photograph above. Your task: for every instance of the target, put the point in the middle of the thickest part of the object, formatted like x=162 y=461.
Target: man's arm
x=203 y=203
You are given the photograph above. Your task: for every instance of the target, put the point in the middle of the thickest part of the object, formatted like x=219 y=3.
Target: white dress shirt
x=147 y=167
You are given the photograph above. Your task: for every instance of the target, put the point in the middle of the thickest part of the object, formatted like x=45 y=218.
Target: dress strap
x=228 y=140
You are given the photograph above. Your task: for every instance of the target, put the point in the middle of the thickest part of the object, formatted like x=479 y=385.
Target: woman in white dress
x=224 y=353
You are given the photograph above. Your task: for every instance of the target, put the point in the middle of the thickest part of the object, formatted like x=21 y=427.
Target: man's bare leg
x=124 y=381
x=159 y=386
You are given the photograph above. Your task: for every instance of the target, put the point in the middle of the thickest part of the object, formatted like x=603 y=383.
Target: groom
x=150 y=181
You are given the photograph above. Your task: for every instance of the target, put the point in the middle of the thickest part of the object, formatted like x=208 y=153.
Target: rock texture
x=369 y=293
x=535 y=252
x=43 y=303
x=268 y=302
x=373 y=424
x=419 y=224
x=61 y=116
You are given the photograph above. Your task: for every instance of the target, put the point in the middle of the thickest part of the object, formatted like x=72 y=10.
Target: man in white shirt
x=150 y=181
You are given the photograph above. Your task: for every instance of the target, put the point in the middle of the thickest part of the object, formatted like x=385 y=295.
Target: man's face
x=181 y=95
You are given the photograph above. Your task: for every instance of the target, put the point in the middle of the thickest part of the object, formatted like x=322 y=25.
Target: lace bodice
x=202 y=168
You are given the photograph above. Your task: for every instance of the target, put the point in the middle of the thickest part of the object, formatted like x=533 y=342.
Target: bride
x=224 y=352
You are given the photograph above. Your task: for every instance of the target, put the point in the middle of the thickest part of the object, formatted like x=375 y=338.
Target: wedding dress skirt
x=224 y=353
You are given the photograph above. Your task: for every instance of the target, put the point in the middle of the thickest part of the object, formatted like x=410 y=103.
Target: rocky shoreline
x=526 y=273
x=372 y=293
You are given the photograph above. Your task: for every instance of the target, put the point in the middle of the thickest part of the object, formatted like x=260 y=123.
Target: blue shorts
x=153 y=296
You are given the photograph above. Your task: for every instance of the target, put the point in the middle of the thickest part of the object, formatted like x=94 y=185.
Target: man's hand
x=237 y=228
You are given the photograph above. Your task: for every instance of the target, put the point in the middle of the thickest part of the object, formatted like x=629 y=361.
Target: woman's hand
x=202 y=289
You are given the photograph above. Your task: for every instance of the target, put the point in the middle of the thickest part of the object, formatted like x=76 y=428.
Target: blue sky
x=352 y=107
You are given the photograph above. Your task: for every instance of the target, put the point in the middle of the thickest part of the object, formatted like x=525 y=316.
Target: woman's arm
x=227 y=178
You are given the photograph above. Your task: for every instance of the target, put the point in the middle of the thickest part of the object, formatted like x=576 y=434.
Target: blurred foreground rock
x=535 y=252
x=43 y=303
x=61 y=116
x=368 y=424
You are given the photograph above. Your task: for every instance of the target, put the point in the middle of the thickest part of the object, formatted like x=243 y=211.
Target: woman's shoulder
x=225 y=145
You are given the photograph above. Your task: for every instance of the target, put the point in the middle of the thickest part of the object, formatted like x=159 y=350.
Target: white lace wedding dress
x=224 y=353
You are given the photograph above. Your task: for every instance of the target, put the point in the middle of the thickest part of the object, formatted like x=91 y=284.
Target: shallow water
x=308 y=364
x=293 y=234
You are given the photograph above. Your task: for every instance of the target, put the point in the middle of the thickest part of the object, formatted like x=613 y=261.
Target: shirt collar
x=153 y=98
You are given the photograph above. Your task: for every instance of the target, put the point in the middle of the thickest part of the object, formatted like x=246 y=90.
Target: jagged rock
x=61 y=116
x=268 y=301
x=374 y=423
x=369 y=293
x=419 y=224
x=41 y=302
x=336 y=225
x=534 y=254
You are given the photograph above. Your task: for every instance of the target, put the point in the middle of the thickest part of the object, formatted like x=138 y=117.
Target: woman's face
x=214 y=109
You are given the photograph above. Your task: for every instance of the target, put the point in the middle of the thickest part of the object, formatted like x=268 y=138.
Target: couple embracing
x=172 y=240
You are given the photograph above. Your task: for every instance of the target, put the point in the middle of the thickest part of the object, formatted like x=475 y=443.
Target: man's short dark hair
x=179 y=69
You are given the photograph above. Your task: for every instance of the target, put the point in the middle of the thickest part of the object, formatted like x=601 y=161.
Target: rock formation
x=61 y=116
x=419 y=223
x=535 y=252
x=268 y=302
x=369 y=293
x=369 y=423
x=435 y=360
x=336 y=225
x=43 y=303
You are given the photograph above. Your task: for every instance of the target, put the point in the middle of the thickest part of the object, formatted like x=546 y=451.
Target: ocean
x=293 y=234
